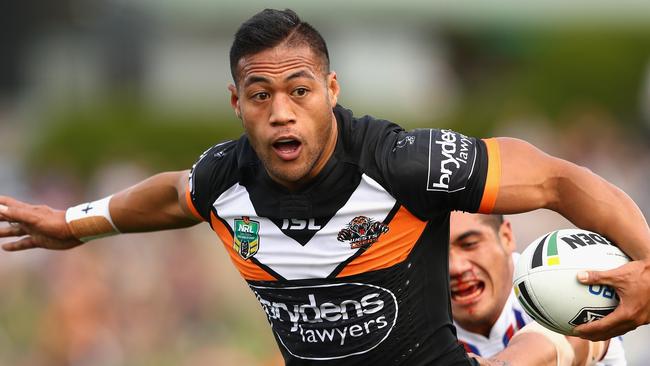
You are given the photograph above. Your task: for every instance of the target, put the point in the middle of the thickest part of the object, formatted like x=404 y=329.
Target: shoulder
x=357 y=133
x=223 y=153
x=218 y=165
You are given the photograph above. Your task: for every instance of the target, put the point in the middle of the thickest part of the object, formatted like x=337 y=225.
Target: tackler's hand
x=34 y=226
x=632 y=284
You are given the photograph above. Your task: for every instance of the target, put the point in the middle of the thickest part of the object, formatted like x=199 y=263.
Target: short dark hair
x=493 y=221
x=271 y=27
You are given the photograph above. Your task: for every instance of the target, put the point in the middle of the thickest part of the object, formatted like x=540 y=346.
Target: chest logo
x=246 y=237
x=362 y=232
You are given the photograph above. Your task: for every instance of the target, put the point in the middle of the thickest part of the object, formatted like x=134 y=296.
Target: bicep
x=529 y=177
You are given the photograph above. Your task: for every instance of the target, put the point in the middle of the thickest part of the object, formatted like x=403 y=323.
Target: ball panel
x=562 y=298
x=531 y=307
x=545 y=278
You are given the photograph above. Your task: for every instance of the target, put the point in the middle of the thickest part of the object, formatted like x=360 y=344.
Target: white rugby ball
x=545 y=279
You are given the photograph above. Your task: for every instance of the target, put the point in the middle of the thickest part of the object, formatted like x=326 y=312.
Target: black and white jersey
x=353 y=268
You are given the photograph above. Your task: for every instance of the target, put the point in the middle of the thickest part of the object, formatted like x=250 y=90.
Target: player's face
x=481 y=269
x=285 y=101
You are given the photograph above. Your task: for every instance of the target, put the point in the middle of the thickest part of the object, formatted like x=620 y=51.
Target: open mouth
x=467 y=291
x=287 y=148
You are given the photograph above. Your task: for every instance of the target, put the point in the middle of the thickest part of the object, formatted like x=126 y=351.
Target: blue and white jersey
x=512 y=318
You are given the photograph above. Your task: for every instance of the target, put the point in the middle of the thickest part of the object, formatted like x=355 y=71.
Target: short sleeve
x=207 y=176
x=432 y=170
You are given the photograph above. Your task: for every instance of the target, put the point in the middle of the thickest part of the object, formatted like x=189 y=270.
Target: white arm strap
x=91 y=220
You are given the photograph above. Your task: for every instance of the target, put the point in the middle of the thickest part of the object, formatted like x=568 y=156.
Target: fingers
x=21 y=214
x=22 y=244
x=10 y=202
x=614 y=324
x=12 y=230
x=611 y=277
x=609 y=327
x=628 y=315
x=10 y=207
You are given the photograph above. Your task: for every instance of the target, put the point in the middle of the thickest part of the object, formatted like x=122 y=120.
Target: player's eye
x=300 y=92
x=261 y=96
x=469 y=244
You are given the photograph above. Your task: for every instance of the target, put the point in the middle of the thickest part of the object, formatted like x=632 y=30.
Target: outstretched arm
x=535 y=345
x=531 y=179
x=157 y=203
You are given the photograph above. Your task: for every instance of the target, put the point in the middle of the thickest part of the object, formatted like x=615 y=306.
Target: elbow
x=564 y=185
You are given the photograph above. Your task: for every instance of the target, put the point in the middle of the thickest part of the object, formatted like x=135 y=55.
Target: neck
x=482 y=328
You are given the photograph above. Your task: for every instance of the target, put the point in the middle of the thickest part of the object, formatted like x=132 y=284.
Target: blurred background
x=96 y=95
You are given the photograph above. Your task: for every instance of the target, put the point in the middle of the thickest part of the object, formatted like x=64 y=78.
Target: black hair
x=271 y=27
x=493 y=221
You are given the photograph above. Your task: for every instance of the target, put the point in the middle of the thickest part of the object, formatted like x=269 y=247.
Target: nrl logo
x=362 y=232
x=246 y=237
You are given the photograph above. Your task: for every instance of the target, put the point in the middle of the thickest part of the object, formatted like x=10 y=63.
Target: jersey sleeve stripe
x=248 y=269
x=493 y=179
x=392 y=248
x=190 y=204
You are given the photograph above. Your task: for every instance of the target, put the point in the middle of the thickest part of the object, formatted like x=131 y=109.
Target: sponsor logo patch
x=246 y=237
x=362 y=232
x=329 y=322
x=449 y=154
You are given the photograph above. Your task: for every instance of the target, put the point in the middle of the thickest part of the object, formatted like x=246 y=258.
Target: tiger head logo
x=362 y=232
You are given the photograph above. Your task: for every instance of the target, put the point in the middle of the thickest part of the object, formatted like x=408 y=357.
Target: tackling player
x=340 y=224
x=487 y=315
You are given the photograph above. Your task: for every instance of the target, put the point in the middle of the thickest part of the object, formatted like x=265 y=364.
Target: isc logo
x=300 y=224
x=602 y=290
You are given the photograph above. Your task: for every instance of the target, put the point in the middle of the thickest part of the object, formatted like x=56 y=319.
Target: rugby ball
x=546 y=285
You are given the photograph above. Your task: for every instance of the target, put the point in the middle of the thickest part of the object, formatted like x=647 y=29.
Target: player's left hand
x=632 y=284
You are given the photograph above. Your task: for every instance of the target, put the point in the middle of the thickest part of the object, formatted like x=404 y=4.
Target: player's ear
x=507 y=236
x=234 y=100
x=333 y=88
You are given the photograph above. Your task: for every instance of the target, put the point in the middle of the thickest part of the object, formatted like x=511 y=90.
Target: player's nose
x=458 y=265
x=282 y=111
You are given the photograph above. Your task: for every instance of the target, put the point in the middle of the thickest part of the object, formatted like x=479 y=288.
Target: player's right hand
x=632 y=284
x=34 y=226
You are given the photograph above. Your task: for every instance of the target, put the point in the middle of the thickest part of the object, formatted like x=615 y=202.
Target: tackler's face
x=285 y=99
x=481 y=269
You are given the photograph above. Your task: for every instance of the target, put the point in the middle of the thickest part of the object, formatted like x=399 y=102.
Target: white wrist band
x=91 y=220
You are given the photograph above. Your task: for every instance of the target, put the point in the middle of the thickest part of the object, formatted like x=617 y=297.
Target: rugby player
x=487 y=315
x=340 y=224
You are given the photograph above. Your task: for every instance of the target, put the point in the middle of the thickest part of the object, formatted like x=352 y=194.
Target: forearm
x=157 y=203
x=528 y=349
x=611 y=212
x=532 y=179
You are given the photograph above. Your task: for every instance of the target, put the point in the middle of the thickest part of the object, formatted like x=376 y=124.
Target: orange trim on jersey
x=190 y=204
x=248 y=269
x=392 y=247
x=493 y=179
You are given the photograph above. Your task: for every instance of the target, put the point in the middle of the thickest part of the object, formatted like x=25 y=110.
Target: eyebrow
x=466 y=234
x=261 y=79
x=256 y=79
x=299 y=74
